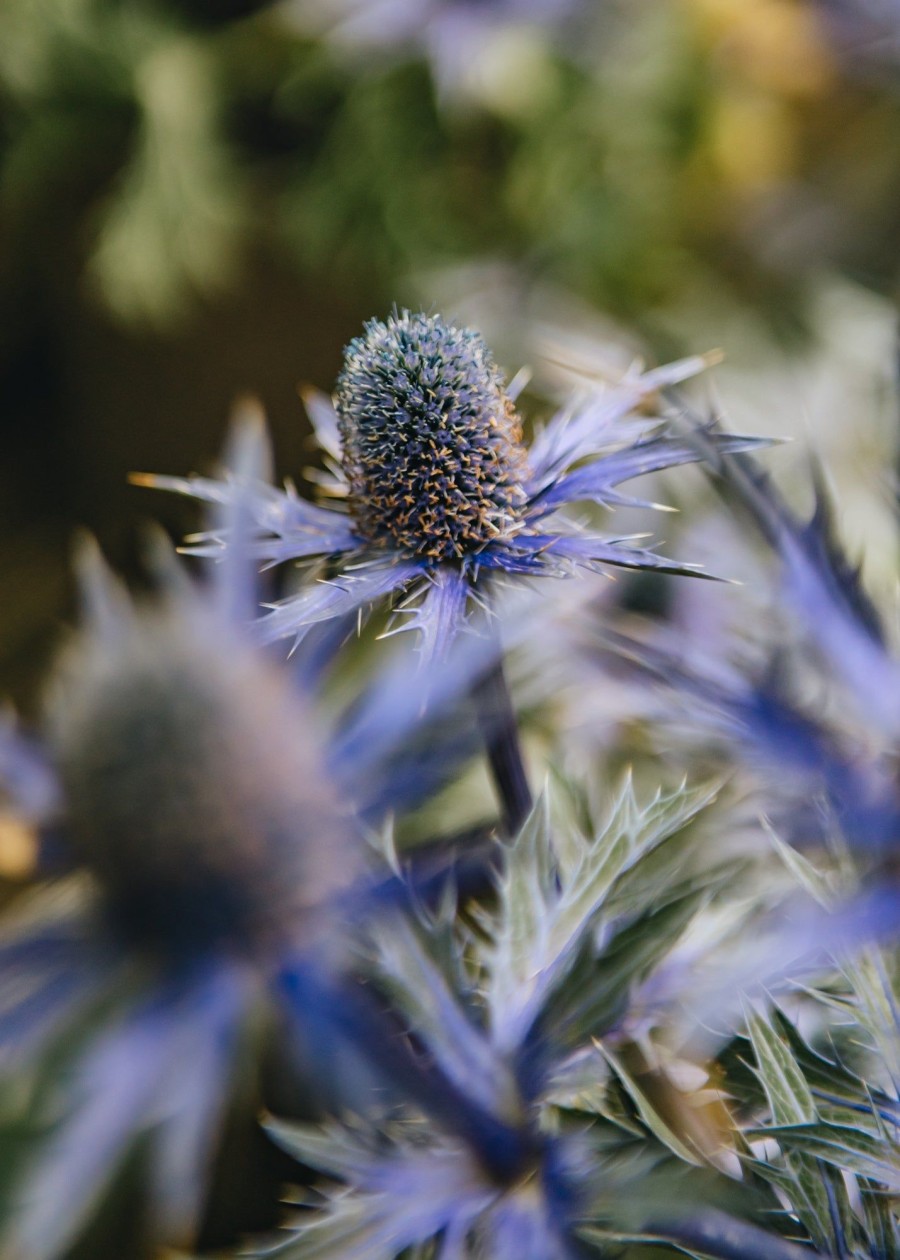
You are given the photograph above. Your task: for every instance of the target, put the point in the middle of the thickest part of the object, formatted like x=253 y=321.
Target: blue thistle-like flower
x=817 y=717
x=212 y=827
x=431 y=444
x=440 y=493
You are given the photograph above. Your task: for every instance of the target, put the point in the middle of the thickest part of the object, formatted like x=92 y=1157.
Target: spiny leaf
x=594 y=996
x=834 y=1084
x=800 y=1182
x=537 y=930
x=337 y=1150
x=840 y=1145
x=786 y=1088
x=791 y=1103
x=345 y=1232
x=876 y=1006
x=819 y=886
x=629 y=833
x=881 y=1222
x=400 y=1195
x=519 y=929
x=424 y=995
x=707 y=1234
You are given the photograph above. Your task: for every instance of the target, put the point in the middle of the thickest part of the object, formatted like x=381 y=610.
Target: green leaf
x=334 y=1149
x=789 y=1095
x=538 y=930
x=346 y=1231
x=402 y=1193
x=791 y=1103
x=629 y=833
x=800 y=1181
x=836 y=1089
x=519 y=929
x=819 y=885
x=876 y=1005
x=841 y=1146
x=881 y=1222
x=594 y=994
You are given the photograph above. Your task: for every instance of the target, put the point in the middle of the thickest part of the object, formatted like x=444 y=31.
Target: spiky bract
x=431 y=443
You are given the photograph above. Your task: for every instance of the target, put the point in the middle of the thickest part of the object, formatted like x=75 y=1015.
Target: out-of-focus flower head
x=437 y=494
x=815 y=716
x=197 y=797
x=194 y=781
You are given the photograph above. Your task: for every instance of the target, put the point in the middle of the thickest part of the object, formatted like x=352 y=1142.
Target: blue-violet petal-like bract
x=436 y=494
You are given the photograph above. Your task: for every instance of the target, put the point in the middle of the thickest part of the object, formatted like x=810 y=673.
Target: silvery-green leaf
x=580 y=1083
x=817 y=883
x=876 y=1006
x=519 y=947
x=792 y=1103
x=595 y=994
x=337 y=1150
x=708 y=1235
x=786 y=1088
x=630 y=833
x=834 y=1086
x=345 y=1232
x=801 y=1184
x=882 y=1226
x=425 y=997
x=840 y=1145
x=539 y=927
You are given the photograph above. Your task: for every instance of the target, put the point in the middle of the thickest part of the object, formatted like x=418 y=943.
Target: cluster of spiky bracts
x=434 y=494
x=431 y=444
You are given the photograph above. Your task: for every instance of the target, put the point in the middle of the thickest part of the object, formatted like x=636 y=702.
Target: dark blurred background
x=200 y=200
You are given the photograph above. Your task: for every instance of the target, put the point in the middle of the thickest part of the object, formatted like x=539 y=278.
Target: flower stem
x=500 y=731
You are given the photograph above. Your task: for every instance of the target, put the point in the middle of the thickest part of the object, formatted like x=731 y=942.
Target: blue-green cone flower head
x=431 y=443
x=195 y=790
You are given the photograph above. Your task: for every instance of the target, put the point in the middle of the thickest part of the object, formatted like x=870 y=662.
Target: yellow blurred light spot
x=776 y=45
x=752 y=140
x=18 y=848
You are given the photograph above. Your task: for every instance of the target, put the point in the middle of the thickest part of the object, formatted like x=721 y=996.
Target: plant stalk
x=500 y=731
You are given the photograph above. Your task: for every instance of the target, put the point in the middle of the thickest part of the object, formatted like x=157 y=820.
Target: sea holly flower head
x=431 y=443
x=193 y=782
x=436 y=493
x=192 y=805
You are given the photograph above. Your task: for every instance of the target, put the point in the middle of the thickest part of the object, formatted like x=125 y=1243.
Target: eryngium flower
x=431 y=444
x=194 y=800
x=195 y=793
x=439 y=491
x=194 y=784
